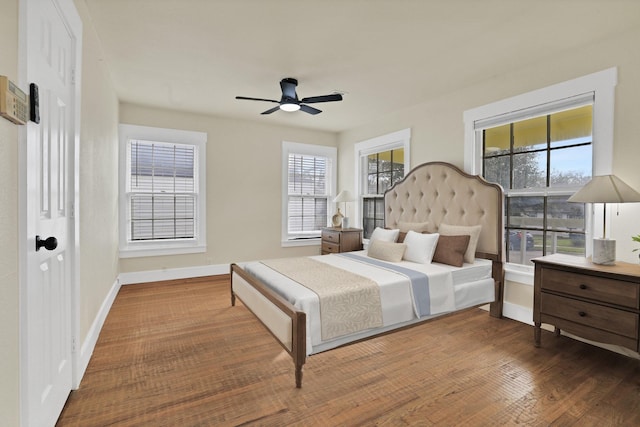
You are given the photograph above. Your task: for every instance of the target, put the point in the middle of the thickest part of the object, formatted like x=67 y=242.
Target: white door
x=47 y=311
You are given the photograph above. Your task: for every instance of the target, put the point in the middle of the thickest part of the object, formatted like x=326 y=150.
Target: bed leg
x=299 y=376
x=497 y=272
x=233 y=296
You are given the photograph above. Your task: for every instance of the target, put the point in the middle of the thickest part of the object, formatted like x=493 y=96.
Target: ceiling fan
x=290 y=101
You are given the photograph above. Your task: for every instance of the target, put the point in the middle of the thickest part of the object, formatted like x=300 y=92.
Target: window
x=541 y=147
x=309 y=177
x=540 y=162
x=162 y=202
x=381 y=162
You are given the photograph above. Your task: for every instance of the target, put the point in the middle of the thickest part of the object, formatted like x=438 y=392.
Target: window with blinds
x=308 y=195
x=162 y=191
x=308 y=183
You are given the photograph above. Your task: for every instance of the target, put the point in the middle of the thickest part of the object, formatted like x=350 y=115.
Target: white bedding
x=464 y=287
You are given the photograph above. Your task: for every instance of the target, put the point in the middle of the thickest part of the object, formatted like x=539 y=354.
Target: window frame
x=331 y=153
x=544 y=192
x=391 y=141
x=602 y=85
x=198 y=244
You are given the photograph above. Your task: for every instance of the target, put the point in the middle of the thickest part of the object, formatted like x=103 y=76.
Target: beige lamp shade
x=605 y=189
x=344 y=196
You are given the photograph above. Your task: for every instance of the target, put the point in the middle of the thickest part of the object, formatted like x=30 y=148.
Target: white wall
x=437 y=125
x=98 y=179
x=244 y=187
x=9 y=338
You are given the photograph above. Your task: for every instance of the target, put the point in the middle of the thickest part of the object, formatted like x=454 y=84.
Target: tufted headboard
x=439 y=192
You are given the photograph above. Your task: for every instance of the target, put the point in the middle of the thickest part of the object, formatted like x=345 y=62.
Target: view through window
x=382 y=171
x=540 y=162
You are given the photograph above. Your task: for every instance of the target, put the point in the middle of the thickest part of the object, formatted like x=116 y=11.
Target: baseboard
x=517 y=312
x=89 y=343
x=172 y=274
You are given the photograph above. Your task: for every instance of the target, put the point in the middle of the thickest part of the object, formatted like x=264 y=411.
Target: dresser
x=597 y=302
x=335 y=240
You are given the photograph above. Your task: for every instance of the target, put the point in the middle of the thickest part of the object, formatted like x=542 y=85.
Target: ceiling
x=197 y=55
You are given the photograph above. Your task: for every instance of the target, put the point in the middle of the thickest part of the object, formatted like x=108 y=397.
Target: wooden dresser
x=597 y=302
x=335 y=240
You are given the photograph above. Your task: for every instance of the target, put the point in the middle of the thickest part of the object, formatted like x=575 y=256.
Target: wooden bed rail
x=298 y=351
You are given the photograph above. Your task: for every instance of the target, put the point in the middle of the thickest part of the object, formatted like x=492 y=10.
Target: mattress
x=472 y=285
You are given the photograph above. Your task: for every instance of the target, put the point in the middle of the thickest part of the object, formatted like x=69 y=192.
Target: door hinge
x=73 y=76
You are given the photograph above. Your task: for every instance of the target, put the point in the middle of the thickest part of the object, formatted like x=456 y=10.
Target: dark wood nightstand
x=335 y=240
x=597 y=302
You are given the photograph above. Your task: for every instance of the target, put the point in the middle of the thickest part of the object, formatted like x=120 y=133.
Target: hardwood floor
x=177 y=354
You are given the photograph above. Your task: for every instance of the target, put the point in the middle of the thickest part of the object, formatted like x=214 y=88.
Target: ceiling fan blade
x=256 y=99
x=271 y=110
x=323 y=98
x=288 y=87
x=309 y=110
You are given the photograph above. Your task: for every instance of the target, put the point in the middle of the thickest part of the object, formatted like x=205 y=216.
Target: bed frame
x=434 y=192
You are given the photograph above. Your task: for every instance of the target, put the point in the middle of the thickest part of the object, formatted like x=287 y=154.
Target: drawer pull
x=582 y=314
x=583 y=286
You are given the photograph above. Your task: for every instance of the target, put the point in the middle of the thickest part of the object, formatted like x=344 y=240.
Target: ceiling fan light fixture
x=290 y=107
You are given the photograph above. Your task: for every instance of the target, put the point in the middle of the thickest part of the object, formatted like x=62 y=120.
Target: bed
x=433 y=200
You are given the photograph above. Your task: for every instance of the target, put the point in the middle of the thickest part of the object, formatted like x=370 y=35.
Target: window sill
x=160 y=250
x=301 y=242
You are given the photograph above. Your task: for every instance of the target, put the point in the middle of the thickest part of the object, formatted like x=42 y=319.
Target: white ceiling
x=197 y=55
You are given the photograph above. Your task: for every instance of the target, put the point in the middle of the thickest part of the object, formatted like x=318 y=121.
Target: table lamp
x=343 y=197
x=605 y=189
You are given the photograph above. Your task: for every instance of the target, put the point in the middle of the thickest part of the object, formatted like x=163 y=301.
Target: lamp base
x=345 y=222
x=604 y=251
x=336 y=220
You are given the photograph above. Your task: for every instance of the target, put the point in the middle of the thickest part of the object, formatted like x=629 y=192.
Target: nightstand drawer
x=331 y=236
x=595 y=288
x=330 y=248
x=592 y=315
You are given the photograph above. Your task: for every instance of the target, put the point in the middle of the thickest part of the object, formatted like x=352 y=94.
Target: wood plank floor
x=177 y=354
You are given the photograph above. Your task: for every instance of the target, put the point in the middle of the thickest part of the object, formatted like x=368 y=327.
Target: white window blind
x=308 y=186
x=308 y=194
x=162 y=190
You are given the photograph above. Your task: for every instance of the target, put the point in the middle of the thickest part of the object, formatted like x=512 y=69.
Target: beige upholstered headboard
x=439 y=192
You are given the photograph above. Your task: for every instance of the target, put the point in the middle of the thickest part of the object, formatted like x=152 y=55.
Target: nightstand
x=597 y=302
x=335 y=240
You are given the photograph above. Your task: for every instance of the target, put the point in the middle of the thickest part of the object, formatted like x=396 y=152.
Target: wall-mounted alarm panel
x=14 y=103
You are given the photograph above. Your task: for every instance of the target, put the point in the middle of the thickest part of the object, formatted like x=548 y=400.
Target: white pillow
x=420 y=247
x=384 y=234
x=457 y=230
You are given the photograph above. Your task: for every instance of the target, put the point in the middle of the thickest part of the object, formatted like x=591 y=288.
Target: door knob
x=50 y=243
